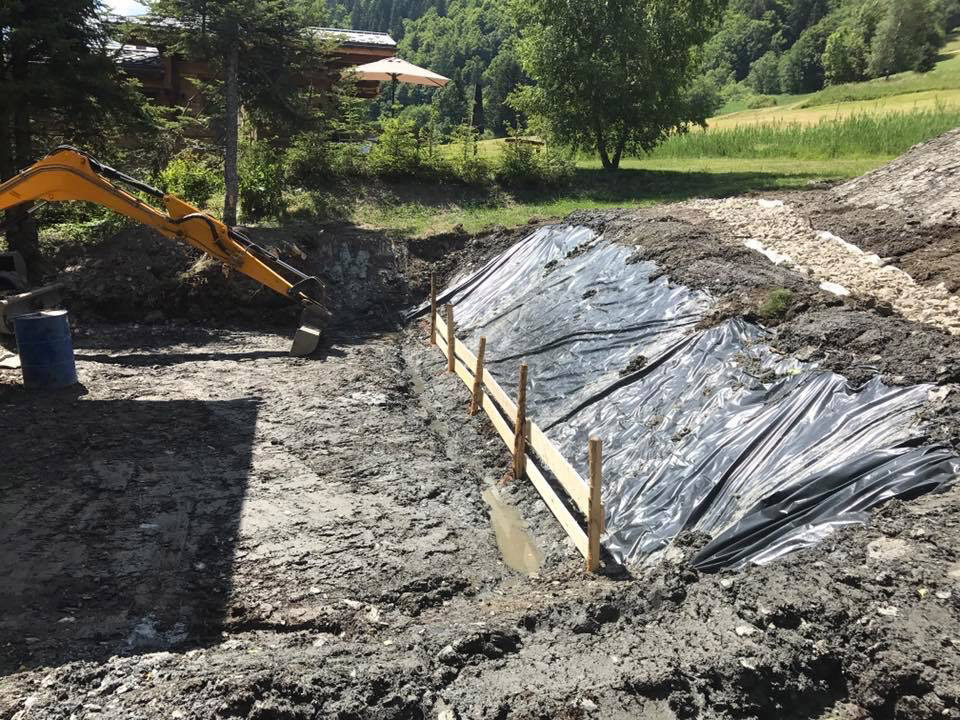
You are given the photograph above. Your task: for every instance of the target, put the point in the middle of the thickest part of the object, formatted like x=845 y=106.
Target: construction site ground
x=208 y=528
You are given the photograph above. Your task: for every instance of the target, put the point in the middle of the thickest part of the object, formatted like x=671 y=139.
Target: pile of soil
x=924 y=182
x=778 y=230
x=907 y=212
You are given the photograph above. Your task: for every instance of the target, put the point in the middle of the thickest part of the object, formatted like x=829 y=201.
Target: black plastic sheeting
x=704 y=430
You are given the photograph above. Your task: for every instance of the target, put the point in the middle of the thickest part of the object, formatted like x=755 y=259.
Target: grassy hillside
x=899 y=93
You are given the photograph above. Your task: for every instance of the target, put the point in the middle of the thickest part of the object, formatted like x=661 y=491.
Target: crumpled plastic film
x=705 y=430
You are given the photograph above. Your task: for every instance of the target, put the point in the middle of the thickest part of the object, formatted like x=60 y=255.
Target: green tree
x=764 y=75
x=613 y=75
x=502 y=76
x=472 y=42
x=58 y=83
x=844 y=57
x=801 y=67
x=261 y=51
x=740 y=41
x=907 y=38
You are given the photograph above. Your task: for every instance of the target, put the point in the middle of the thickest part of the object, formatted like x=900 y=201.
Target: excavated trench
x=212 y=529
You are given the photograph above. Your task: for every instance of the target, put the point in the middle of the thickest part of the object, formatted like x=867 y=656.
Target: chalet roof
x=138 y=56
x=357 y=38
x=348 y=38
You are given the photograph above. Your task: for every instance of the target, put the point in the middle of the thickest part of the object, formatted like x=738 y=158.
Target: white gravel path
x=787 y=238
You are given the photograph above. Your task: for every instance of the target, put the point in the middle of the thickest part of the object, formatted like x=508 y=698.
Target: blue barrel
x=46 y=351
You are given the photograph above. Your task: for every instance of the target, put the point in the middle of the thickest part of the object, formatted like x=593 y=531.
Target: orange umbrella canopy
x=396 y=70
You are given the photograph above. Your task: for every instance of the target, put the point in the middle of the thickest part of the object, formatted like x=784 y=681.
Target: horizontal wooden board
x=568 y=477
x=463 y=352
x=499 y=424
x=464 y=374
x=559 y=510
x=503 y=400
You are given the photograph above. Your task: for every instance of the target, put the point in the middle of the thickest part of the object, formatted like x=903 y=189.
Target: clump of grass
x=860 y=135
x=776 y=304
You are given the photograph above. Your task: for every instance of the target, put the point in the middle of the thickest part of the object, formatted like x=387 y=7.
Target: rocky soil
x=211 y=529
x=208 y=528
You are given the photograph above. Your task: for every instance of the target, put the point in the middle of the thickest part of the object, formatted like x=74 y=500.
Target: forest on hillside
x=761 y=48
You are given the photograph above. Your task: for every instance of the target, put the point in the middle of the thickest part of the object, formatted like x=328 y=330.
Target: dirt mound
x=783 y=234
x=140 y=276
x=924 y=182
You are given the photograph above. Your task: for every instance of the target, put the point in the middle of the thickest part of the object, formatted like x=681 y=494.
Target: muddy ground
x=208 y=528
x=213 y=529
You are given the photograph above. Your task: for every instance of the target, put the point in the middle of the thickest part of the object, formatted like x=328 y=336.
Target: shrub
x=557 y=168
x=776 y=305
x=192 y=178
x=308 y=161
x=523 y=164
x=761 y=101
x=261 y=181
x=518 y=164
x=468 y=166
x=350 y=159
x=397 y=153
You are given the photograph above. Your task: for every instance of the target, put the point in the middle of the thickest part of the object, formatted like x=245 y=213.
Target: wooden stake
x=478 y=379
x=595 y=516
x=520 y=428
x=433 y=309
x=451 y=342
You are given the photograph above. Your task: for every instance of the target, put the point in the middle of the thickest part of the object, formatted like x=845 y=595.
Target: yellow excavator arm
x=68 y=174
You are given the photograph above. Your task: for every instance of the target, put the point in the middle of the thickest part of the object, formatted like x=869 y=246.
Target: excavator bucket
x=308 y=335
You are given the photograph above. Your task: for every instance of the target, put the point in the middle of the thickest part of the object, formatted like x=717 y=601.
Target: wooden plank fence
x=520 y=435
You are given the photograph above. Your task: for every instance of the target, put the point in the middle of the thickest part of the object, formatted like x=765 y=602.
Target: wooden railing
x=522 y=435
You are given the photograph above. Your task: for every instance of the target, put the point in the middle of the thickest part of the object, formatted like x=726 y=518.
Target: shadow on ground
x=118 y=521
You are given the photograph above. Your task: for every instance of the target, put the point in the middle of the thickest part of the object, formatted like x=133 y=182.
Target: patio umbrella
x=396 y=71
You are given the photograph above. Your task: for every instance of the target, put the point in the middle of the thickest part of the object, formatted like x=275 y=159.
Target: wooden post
x=433 y=309
x=451 y=342
x=477 y=400
x=595 y=517
x=520 y=428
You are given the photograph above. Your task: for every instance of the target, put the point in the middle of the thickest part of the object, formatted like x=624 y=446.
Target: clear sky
x=126 y=7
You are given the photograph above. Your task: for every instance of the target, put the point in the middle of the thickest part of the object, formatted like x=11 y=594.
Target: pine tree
x=58 y=83
x=262 y=53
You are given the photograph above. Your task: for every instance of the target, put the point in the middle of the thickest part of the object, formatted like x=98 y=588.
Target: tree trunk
x=618 y=155
x=6 y=158
x=602 y=149
x=231 y=177
x=22 y=235
x=6 y=155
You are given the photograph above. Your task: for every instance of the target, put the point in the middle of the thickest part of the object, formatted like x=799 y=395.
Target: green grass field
x=639 y=183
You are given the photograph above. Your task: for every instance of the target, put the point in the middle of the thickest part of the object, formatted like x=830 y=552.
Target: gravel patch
x=787 y=238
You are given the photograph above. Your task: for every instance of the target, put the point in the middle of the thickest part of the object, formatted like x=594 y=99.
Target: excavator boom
x=68 y=174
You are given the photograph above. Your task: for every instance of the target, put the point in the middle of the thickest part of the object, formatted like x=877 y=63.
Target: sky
x=126 y=7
